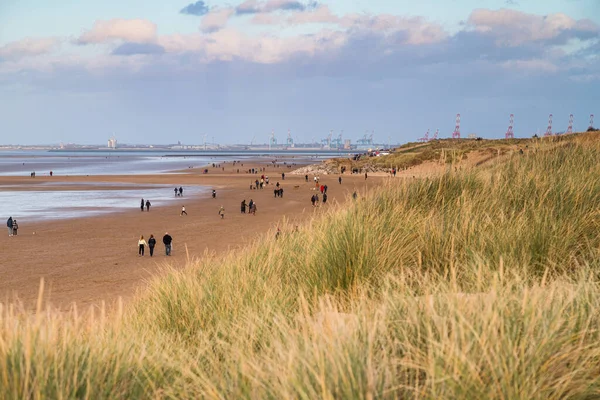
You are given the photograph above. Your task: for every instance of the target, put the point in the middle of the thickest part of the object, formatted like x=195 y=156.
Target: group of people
x=315 y=199
x=259 y=184
x=251 y=207
x=178 y=192
x=12 y=226
x=147 y=204
x=151 y=243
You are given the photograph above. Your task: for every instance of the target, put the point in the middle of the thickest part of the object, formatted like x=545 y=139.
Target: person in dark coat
x=147 y=205
x=151 y=244
x=168 y=242
x=180 y=191
x=243 y=206
x=9 y=225
x=142 y=205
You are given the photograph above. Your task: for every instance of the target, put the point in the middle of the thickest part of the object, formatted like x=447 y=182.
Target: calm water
x=22 y=163
x=28 y=206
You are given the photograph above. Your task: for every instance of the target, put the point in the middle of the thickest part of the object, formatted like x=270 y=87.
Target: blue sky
x=159 y=72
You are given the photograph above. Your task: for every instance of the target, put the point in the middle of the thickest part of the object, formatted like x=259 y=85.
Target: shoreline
x=94 y=259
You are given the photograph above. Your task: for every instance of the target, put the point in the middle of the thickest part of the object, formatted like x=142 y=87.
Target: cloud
x=129 y=30
x=513 y=28
x=269 y=6
x=128 y=49
x=231 y=44
x=198 y=8
x=216 y=19
x=319 y=15
x=28 y=47
x=415 y=30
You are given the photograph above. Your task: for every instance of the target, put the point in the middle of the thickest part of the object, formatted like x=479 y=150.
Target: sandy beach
x=90 y=260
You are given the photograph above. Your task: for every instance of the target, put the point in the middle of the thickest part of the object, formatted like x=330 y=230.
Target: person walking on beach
x=9 y=225
x=151 y=244
x=283 y=176
x=168 y=242
x=222 y=212
x=142 y=205
x=243 y=206
x=313 y=200
x=180 y=191
x=214 y=193
x=175 y=190
x=340 y=180
x=306 y=178
x=147 y=205
x=141 y=245
x=15 y=227
x=324 y=198
x=253 y=209
x=366 y=176
x=182 y=211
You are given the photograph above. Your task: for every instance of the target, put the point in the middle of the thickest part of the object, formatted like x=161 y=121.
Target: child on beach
x=182 y=211
x=141 y=245
x=15 y=227
x=222 y=212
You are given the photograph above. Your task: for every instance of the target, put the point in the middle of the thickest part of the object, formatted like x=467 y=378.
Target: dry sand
x=89 y=260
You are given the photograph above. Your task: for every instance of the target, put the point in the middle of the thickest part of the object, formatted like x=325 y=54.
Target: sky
x=159 y=72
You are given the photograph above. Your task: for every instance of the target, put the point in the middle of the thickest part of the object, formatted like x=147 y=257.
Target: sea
x=60 y=201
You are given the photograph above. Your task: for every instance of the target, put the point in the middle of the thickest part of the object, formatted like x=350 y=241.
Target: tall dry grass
x=474 y=284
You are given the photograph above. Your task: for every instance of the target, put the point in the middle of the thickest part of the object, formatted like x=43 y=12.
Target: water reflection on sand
x=84 y=200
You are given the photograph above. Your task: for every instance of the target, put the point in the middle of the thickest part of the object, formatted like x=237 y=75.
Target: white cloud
x=418 y=30
x=320 y=15
x=28 y=47
x=229 y=44
x=129 y=30
x=216 y=19
x=512 y=27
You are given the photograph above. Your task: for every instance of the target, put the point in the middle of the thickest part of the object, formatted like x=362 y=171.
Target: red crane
x=570 y=128
x=509 y=133
x=549 y=129
x=456 y=133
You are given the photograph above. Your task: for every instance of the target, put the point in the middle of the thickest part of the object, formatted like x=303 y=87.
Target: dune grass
x=475 y=284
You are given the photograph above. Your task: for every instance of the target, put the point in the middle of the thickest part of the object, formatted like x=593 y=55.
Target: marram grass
x=475 y=284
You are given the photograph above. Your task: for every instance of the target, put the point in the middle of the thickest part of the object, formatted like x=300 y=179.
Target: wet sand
x=90 y=260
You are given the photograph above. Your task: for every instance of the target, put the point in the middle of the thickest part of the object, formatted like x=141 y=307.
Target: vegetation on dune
x=481 y=283
x=447 y=151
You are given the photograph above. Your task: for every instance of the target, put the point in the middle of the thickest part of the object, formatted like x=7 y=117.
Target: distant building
x=112 y=143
